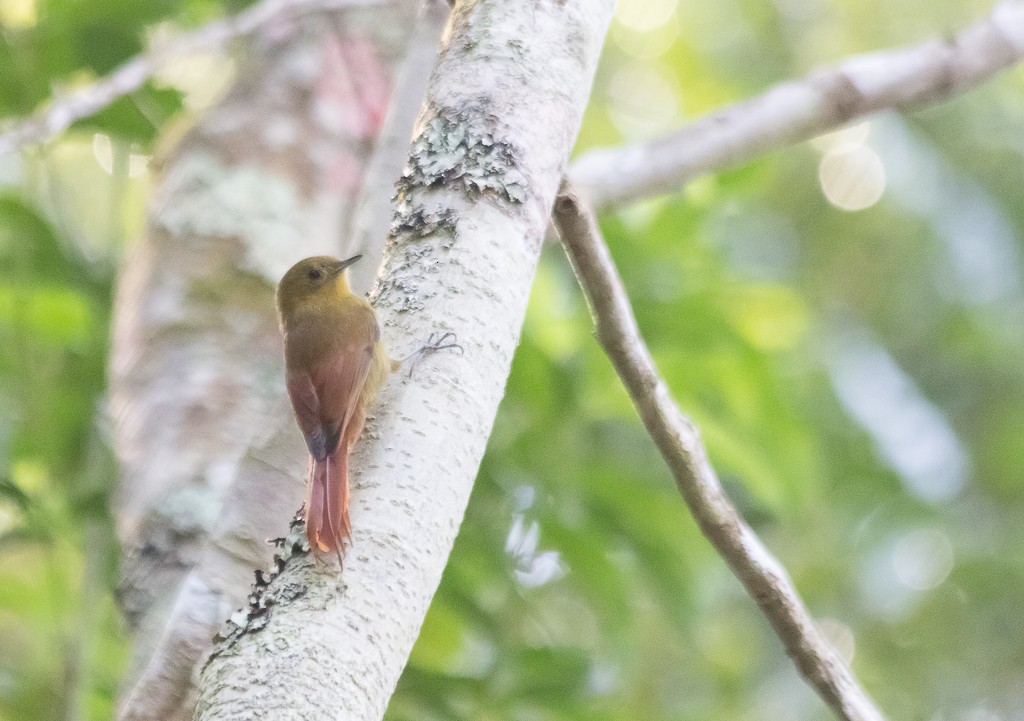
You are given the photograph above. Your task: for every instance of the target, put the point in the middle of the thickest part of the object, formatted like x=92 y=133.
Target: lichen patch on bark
x=464 y=147
x=416 y=221
x=267 y=590
x=461 y=150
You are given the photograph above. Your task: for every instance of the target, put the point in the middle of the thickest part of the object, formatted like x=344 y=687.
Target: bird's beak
x=346 y=263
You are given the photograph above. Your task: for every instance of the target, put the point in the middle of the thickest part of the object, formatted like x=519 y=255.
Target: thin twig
x=680 y=445
x=131 y=75
x=797 y=110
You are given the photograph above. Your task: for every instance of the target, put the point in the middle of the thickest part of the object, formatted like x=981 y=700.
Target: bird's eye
x=315 y=274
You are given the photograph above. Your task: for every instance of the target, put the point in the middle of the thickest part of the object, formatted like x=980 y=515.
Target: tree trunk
x=500 y=117
x=211 y=463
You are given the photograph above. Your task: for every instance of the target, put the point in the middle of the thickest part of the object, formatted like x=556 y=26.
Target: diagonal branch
x=130 y=76
x=679 y=442
x=797 y=110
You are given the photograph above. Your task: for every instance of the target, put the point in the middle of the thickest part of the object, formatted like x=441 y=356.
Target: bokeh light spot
x=103 y=151
x=647 y=44
x=852 y=179
x=923 y=559
x=643 y=100
x=643 y=15
x=18 y=13
x=137 y=165
x=840 y=636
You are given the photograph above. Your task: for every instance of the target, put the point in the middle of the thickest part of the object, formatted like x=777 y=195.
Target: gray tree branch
x=130 y=76
x=680 y=445
x=797 y=110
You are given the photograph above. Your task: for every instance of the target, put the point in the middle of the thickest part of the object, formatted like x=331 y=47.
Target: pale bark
x=501 y=114
x=798 y=110
x=202 y=426
x=372 y=217
x=679 y=442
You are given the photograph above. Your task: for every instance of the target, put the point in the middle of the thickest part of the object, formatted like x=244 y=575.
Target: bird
x=335 y=363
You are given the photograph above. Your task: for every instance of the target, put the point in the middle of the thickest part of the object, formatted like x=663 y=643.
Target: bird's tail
x=327 y=524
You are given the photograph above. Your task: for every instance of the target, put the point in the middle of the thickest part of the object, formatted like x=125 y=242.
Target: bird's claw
x=439 y=344
x=433 y=345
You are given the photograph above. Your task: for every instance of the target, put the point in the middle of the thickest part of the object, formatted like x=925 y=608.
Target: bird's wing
x=339 y=381
x=326 y=395
x=306 y=405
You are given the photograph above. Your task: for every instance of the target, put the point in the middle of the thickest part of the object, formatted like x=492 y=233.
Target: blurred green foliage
x=62 y=644
x=856 y=375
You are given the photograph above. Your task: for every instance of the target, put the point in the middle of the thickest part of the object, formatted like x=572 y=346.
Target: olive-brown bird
x=334 y=363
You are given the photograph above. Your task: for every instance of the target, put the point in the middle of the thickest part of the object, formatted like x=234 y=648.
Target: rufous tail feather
x=327 y=521
x=315 y=506
x=335 y=538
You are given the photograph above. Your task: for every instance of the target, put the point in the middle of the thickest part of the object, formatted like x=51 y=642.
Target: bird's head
x=311 y=278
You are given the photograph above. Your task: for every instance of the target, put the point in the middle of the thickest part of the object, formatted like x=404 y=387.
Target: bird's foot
x=434 y=344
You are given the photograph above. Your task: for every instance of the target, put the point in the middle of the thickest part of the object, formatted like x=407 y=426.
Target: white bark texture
x=211 y=465
x=500 y=117
x=372 y=217
x=797 y=110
